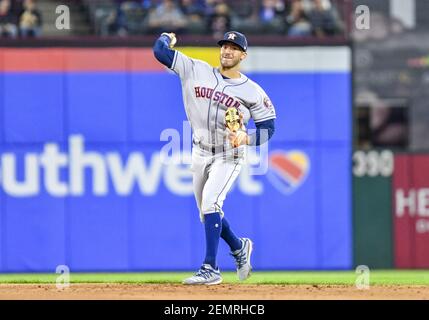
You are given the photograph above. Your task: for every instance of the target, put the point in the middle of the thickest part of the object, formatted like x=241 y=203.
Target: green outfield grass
x=382 y=277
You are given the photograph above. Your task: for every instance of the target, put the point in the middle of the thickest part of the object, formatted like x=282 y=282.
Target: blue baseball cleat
x=206 y=275
x=242 y=259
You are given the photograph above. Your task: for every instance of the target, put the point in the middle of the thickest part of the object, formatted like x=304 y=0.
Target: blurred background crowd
x=292 y=18
x=19 y=18
x=391 y=74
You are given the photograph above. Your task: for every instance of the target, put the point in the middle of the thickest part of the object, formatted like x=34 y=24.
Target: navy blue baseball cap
x=234 y=37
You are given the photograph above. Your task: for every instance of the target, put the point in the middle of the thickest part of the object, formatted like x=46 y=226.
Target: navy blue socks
x=229 y=236
x=213 y=227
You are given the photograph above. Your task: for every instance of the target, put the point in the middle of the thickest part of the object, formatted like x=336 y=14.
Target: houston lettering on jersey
x=203 y=92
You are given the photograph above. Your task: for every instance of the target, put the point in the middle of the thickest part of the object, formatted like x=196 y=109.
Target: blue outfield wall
x=102 y=220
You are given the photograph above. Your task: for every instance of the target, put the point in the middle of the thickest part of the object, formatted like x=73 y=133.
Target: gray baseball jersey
x=207 y=95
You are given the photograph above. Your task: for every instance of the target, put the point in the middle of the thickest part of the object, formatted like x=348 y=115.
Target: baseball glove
x=234 y=123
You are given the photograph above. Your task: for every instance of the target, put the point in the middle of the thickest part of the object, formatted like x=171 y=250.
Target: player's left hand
x=238 y=138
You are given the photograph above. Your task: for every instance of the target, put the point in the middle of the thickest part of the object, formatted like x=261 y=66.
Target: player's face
x=231 y=55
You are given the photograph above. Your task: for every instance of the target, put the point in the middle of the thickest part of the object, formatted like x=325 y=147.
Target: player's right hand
x=238 y=138
x=172 y=36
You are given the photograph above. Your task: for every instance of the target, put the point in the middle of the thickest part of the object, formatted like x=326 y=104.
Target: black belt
x=211 y=149
x=216 y=149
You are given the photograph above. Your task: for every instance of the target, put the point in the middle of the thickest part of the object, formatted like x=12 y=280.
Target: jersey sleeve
x=162 y=51
x=183 y=65
x=263 y=109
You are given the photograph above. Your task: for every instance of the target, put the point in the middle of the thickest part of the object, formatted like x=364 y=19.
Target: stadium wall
x=82 y=184
x=410 y=195
x=372 y=208
x=390 y=209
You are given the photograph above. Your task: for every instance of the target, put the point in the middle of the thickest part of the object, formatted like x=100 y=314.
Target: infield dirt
x=219 y=292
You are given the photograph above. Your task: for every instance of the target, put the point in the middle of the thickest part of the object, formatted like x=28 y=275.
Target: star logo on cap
x=232 y=36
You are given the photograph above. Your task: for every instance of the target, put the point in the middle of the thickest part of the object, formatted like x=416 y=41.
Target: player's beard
x=229 y=63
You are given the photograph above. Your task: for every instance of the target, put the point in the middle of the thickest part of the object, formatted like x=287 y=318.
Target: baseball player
x=213 y=97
